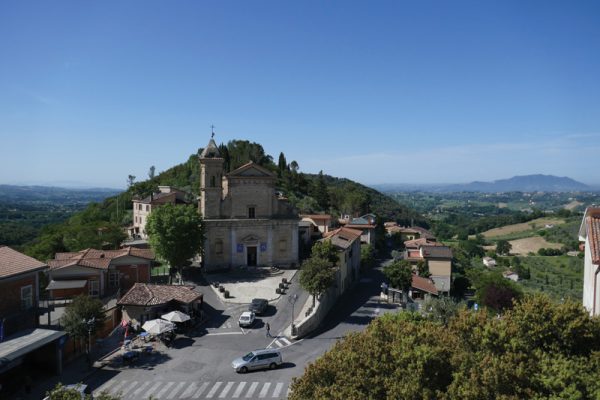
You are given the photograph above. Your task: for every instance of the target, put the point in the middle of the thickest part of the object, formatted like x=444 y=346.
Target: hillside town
x=299 y=200
x=114 y=322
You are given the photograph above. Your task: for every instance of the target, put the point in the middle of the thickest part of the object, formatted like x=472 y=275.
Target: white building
x=489 y=262
x=143 y=207
x=589 y=232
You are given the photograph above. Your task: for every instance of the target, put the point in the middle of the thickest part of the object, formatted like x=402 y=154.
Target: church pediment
x=251 y=170
x=250 y=239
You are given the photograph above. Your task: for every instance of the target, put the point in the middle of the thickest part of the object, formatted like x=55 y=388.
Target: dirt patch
x=572 y=205
x=531 y=244
x=525 y=226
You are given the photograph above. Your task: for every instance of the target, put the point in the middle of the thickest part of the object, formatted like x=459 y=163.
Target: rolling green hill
x=101 y=224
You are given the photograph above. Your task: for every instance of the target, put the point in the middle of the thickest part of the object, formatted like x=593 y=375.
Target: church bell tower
x=211 y=172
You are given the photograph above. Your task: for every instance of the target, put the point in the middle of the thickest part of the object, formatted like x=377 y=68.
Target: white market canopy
x=176 y=316
x=157 y=326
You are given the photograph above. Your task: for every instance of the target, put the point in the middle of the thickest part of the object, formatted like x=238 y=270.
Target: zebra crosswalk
x=279 y=342
x=175 y=390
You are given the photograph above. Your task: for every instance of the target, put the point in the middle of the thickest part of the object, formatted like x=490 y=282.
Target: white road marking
x=152 y=389
x=239 y=390
x=164 y=389
x=223 y=333
x=116 y=389
x=226 y=390
x=277 y=390
x=177 y=389
x=202 y=389
x=188 y=391
x=213 y=390
x=251 y=390
x=105 y=386
x=139 y=390
x=129 y=387
x=264 y=390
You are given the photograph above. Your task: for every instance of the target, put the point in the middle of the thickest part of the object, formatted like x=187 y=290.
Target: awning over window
x=66 y=284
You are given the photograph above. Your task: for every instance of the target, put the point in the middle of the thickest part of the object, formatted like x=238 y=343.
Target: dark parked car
x=258 y=306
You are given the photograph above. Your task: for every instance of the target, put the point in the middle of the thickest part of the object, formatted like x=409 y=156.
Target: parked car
x=258 y=306
x=246 y=319
x=258 y=359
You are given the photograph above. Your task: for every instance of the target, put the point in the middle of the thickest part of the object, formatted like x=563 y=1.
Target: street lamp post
x=90 y=326
x=292 y=299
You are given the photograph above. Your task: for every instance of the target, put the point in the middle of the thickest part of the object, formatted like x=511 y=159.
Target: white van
x=258 y=359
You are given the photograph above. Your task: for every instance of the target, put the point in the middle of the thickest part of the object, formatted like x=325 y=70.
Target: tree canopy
x=77 y=314
x=176 y=234
x=537 y=350
x=317 y=273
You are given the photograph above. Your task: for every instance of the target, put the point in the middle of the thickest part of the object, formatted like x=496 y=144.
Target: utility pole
x=292 y=299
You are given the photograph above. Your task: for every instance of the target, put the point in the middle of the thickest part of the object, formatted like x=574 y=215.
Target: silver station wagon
x=258 y=359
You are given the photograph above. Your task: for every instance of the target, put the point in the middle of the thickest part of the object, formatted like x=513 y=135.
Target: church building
x=246 y=222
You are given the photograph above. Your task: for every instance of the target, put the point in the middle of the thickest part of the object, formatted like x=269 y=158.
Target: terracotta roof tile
x=593 y=227
x=416 y=243
x=424 y=284
x=99 y=259
x=343 y=237
x=14 y=263
x=437 y=252
x=143 y=294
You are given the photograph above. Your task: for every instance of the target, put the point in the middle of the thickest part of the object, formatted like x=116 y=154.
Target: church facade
x=246 y=222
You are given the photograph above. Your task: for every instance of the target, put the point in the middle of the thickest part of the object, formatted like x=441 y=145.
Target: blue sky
x=398 y=91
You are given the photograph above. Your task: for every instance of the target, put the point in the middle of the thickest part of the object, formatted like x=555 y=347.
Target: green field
x=560 y=277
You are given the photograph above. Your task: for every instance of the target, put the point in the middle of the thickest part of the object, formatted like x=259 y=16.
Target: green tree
x=423 y=269
x=281 y=165
x=60 y=392
x=496 y=292
x=399 y=273
x=325 y=250
x=316 y=276
x=537 y=350
x=130 y=180
x=176 y=234
x=367 y=256
x=503 y=247
x=320 y=192
x=83 y=317
x=151 y=172
x=441 y=309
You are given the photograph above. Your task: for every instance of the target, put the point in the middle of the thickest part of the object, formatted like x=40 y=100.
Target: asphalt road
x=199 y=366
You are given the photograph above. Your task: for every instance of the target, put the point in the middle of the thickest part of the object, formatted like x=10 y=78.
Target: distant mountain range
x=525 y=183
x=10 y=193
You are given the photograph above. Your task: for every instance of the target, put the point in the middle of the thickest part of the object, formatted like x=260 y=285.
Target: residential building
x=347 y=242
x=408 y=233
x=589 y=233
x=144 y=302
x=246 y=222
x=321 y=223
x=366 y=224
x=98 y=273
x=513 y=276
x=143 y=207
x=24 y=347
x=19 y=290
x=437 y=257
x=489 y=262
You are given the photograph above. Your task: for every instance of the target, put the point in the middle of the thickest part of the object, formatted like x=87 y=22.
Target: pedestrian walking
x=268 y=330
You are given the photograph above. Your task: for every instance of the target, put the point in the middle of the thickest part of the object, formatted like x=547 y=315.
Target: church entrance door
x=251 y=256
